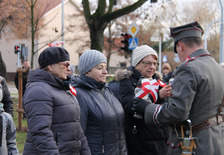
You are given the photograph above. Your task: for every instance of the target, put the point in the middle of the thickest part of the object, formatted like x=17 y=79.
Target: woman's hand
x=165 y=91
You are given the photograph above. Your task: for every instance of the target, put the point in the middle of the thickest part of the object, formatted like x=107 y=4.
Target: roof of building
x=49 y=4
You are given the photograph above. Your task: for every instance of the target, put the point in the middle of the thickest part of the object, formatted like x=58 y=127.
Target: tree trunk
x=97 y=36
x=98 y=21
x=32 y=33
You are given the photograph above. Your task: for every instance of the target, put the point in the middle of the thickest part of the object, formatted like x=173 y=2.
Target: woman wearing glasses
x=53 y=113
x=140 y=138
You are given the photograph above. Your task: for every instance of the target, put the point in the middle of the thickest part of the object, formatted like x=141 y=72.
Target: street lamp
x=205 y=40
x=62 y=23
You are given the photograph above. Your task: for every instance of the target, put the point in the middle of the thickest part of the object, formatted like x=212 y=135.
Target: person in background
x=167 y=73
x=195 y=110
x=143 y=140
x=26 y=65
x=102 y=116
x=53 y=113
x=7 y=133
x=6 y=97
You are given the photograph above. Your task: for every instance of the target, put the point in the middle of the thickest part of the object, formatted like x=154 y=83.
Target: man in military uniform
x=197 y=96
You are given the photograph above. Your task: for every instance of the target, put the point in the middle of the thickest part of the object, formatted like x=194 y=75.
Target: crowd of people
x=138 y=113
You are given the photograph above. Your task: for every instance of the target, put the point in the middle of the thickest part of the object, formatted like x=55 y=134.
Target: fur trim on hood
x=121 y=74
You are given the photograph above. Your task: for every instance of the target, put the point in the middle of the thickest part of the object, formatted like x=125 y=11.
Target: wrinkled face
x=99 y=72
x=60 y=69
x=147 y=66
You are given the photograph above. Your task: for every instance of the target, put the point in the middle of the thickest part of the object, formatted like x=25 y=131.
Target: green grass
x=20 y=134
x=20 y=139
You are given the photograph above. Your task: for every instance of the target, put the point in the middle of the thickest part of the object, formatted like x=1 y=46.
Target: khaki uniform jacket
x=198 y=90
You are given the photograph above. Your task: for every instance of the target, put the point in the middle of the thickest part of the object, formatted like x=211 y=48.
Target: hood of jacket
x=40 y=75
x=86 y=82
x=131 y=71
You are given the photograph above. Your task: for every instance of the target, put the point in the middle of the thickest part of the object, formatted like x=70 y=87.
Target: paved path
x=12 y=89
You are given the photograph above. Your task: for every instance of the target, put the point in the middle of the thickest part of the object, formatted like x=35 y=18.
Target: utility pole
x=62 y=23
x=221 y=59
x=206 y=30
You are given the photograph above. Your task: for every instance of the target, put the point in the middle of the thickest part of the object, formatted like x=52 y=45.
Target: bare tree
x=111 y=42
x=7 y=15
x=161 y=18
x=32 y=12
x=74 y=26
x=98 y=20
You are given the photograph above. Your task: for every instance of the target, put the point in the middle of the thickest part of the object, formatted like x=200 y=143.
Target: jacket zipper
x=103 y=149
x=118 y=118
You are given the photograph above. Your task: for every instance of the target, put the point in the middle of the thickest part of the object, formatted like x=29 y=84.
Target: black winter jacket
x=115 y=87
x=167 y=77
x=53 y=117
x=6 y=97
x=102 y=117
x=141 y=140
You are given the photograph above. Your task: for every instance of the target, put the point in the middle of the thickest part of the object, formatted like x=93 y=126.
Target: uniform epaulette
x=193 y=58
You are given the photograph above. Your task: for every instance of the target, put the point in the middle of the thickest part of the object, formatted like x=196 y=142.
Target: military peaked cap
x=189 y=30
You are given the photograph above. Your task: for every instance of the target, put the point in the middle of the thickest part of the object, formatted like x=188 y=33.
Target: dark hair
x=192 y=41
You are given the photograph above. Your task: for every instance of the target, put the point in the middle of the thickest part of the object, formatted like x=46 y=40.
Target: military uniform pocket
x=174 y=147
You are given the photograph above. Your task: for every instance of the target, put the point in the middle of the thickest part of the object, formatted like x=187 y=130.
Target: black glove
x=139 y=105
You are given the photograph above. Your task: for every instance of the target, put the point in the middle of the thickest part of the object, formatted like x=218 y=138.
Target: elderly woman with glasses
x=53 y=113
x=140 y=138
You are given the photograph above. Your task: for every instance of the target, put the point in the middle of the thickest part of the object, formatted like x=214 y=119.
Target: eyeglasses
x=65 y=64
x=149 y=63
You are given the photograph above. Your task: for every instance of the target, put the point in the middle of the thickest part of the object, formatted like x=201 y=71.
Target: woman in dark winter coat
x=53 y=114
x=102 y=115
x=143 y=140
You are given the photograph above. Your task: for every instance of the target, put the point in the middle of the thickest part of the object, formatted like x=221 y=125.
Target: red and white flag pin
x=72 y=90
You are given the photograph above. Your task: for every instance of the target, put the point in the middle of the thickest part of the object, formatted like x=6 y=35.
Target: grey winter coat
x=53 y=117
x=102 y=117
x=198 y=90
x=8 y=137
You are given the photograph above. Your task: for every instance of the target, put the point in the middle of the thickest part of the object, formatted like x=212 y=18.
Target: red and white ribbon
x=149 y=87
x=72 y=90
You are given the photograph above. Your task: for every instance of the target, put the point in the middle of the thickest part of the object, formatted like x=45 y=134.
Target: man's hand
x=165 y=91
